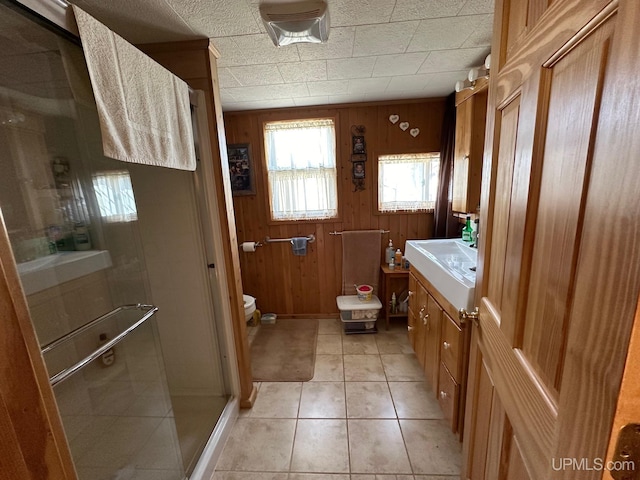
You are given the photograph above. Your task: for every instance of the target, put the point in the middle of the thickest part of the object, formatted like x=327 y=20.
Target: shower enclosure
x=112 y=259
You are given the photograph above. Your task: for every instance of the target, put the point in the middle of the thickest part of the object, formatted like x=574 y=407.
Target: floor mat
x=285 y=351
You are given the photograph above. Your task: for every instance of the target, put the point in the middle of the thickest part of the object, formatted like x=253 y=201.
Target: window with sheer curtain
x=301 y=169
x=407 y=182
x=114 y=194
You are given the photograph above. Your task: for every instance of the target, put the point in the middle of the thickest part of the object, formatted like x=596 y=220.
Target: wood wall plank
x=290 y=285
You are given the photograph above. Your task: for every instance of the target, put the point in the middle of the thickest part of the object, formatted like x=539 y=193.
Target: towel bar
x=310 y=238
x=340 y=233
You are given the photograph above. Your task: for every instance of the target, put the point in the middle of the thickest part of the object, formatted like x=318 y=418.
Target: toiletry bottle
x=389 y=253
x=467 y=230
x=398 y=259
x=393 y=303
x=81 y=238
x=392 y=265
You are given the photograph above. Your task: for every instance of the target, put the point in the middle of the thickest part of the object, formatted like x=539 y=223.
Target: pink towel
x=360 y=259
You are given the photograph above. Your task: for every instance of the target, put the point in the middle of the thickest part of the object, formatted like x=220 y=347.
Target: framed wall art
x=241 y=169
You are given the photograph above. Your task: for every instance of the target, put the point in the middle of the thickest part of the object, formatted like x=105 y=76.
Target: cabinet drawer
x=450 y=346
x=448 y=393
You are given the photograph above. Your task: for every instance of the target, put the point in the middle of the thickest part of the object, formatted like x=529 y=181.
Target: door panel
x=576 y=83
x=560 y=275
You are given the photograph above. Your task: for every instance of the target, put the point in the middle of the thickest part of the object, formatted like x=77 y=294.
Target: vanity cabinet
x=471 y=112
x=441 y=345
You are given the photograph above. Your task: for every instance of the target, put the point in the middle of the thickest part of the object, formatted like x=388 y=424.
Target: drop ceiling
x=377 y=49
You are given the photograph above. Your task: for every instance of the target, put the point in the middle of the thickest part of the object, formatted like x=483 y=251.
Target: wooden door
x=432 y=322
x=559 y=265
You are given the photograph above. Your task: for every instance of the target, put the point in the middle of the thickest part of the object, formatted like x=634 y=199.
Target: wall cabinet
x=441 y=345
x=471 y=112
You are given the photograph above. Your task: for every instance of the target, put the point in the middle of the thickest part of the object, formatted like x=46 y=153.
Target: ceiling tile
x=305 y=101
x=400 y=64
x=226 y=80
x=257 y=75
x=333 y=99
x=452 y=60
x=383 y=38
x=312 y=71
x=229 y=17
x=443 y=33
x=350 y=68
x=368 y=85
x=330 y=87
x=359 y=12
x=260 y=104
x=417 y=10
x=477 y=6
x=271 y=92
x=481 y=36
x=226 y=96
x=252 y=50
x=339 y=45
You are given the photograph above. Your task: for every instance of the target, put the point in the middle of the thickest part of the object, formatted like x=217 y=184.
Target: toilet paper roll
x=249 y=247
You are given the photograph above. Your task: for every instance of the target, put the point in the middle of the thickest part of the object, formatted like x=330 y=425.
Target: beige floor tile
x=329 y=325
x=321 y=446
x=415 y=400
x=393 y=343
x=381 y=477
x=363 y=368
x=359 y=345
x=277 y=400
x=320 y=476
x=433 y=448
x=328 y=368
x=369 y=400
x=436 y=477
x=259 y=445
x=322 y=400
x=329 y=344
x=376 y=446
x=402 y=368
x=249 y=476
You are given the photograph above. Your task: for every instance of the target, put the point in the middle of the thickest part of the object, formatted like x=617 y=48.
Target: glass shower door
x=93 y=236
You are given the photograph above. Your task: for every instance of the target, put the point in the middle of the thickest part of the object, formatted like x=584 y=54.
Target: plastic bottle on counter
x=467 y=230
x=398 y=258
x=389 y=253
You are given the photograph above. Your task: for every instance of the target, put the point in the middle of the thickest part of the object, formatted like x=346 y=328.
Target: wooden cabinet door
x=433 y=322
x=559 y=267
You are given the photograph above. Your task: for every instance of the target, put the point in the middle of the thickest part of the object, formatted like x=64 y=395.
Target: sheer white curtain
x=301 y=165
x=407 y=181
x=114 y=194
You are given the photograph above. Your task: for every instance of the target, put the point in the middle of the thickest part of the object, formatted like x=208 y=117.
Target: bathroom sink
x=46 y=272
x=449 y=265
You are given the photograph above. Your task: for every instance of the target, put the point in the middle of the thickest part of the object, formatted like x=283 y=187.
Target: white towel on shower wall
x=144 y=109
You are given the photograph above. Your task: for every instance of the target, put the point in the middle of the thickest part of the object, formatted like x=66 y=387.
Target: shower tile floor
x=367 y=414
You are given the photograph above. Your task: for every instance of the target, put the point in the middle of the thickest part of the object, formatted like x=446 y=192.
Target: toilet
x=249 y=306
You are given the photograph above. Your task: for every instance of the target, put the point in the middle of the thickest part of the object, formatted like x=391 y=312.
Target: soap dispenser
x=389 y=253
x=467 y=231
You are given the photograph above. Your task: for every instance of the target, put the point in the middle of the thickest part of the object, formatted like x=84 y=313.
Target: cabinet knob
x=443 y=394
x=446 y=345
x=421 y=313
x=409 y=328
x=411 y=294
x=425 y=321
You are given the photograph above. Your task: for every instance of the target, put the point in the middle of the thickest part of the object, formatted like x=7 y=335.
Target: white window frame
x=302 y=182
x=392 y=197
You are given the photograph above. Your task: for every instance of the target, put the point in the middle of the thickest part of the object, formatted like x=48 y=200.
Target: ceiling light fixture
x=296 y=22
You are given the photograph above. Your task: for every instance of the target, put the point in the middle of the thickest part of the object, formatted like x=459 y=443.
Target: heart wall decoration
x=414 y=132
x=404 y=126
x=394 y=118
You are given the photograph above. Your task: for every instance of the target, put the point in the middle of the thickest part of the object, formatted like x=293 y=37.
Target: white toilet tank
x=249 y=306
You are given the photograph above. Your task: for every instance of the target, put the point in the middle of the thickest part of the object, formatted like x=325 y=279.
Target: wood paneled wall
x=308 y=285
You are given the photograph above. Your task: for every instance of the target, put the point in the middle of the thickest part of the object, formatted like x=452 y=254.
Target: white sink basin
x=447 y=265
x=46 y=272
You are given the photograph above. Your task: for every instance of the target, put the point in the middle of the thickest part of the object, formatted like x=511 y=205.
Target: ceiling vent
x=296 y=22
